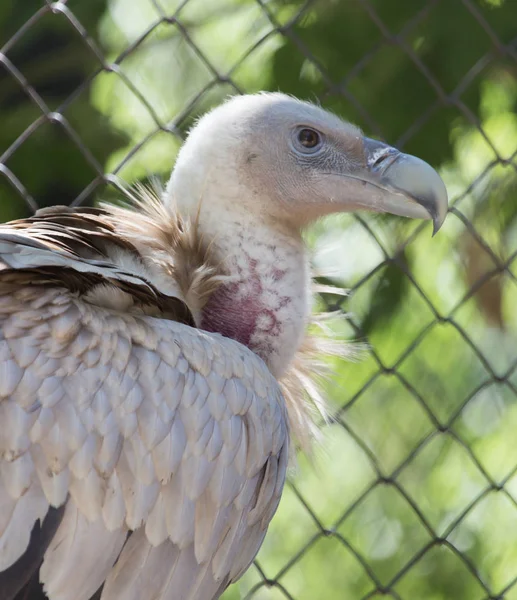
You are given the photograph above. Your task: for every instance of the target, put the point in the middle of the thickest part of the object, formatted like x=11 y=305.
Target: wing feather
x=135 y=423
x=79 y=557
x=142 y=570
x=18 y=518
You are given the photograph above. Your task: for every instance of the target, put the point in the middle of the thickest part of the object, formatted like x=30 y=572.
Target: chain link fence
x=415 y=493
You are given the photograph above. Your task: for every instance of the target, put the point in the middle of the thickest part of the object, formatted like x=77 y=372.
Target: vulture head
x=254 y=172
x=286 y=161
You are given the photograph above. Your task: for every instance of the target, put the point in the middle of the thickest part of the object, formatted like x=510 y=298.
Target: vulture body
x=150 y=374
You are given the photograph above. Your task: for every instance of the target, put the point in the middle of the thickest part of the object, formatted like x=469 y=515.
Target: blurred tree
x=50 y=57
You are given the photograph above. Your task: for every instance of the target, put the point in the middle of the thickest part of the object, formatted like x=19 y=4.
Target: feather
x=139 y=497
x=156 y=524
x=10 y=377
x=114 y=508
x=61 y=242
x=79 y=557
x=42 y=425
x=201 y=471
x=141 y=571
x=227 y=551
x=303 y=382
x=171 y=242
x=168 y=453
x=16 y=422
x=266 y=491
x=88 y=494
x=189 y=580
x=212 y=523
x=215 y=444
x=81 y=462
x=55 y=485
x=179 y=511
x=16 y=577
x=16 y=475
x=17 y=520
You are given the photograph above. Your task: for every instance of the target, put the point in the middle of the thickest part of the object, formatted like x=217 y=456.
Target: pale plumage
x=124 y=398
x=164 y=411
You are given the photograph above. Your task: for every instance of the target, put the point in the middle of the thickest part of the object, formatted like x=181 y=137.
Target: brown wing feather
x=87 y=238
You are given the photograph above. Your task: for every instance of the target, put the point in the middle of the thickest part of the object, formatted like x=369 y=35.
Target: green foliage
x=53 y=59
x=414 y=488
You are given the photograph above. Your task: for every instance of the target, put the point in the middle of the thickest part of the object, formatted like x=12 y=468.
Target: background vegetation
x=414 y=494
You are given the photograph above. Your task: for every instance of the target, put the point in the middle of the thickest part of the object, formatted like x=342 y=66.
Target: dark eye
x=309 y=138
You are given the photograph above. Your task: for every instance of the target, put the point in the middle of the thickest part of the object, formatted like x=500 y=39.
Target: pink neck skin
x=241 y=311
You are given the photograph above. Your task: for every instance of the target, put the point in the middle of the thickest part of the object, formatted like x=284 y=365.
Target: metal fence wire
x=415 y=492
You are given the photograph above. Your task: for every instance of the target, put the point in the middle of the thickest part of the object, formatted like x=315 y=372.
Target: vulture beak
x=410 y=187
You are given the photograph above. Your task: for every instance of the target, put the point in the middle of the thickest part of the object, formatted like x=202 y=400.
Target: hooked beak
x=411 y=187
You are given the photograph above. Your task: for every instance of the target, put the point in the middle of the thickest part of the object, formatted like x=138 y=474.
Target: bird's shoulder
x=81 y=250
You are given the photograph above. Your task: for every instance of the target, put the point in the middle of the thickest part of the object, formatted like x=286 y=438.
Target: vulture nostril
x=383 y=160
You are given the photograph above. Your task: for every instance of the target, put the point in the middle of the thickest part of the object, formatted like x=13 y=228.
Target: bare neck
x=265 y=304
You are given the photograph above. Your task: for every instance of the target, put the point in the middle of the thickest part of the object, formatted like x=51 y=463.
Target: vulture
x=155 y=370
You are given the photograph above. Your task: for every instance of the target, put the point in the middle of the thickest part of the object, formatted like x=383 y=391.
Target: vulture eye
x=308 y=140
